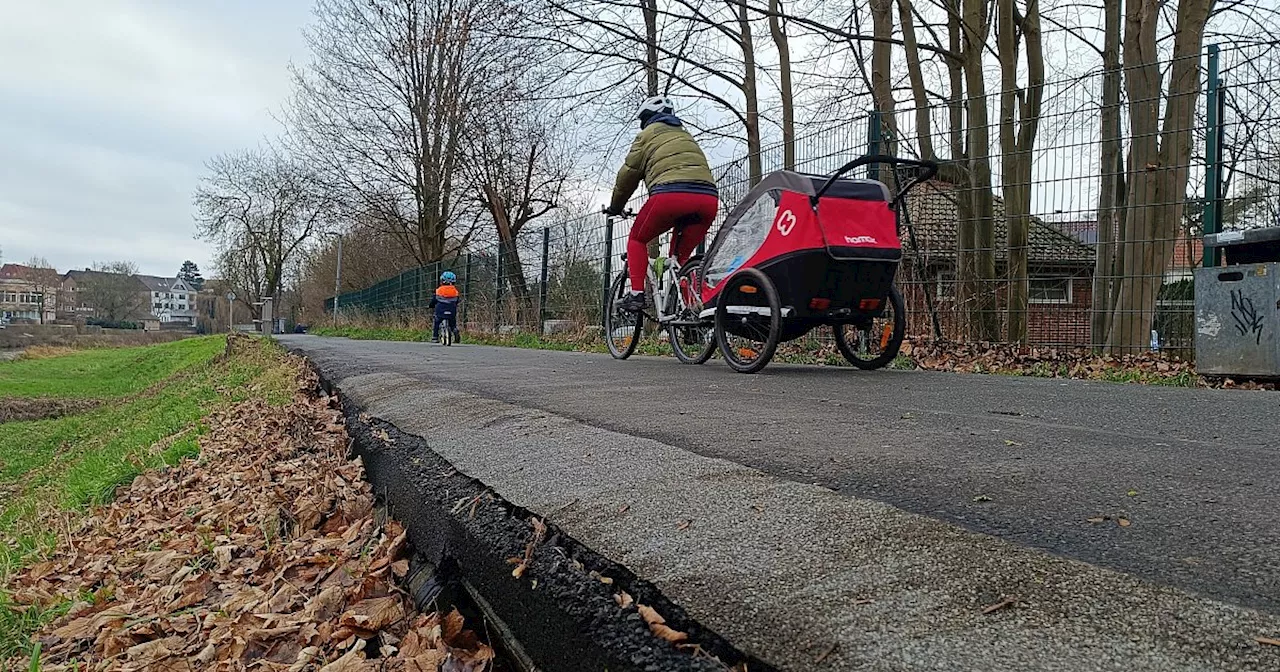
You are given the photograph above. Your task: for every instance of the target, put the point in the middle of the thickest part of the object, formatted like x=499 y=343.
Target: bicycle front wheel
x=621 y=327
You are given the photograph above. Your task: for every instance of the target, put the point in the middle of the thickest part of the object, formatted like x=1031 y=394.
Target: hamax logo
x=786 y=222
x=860 y=240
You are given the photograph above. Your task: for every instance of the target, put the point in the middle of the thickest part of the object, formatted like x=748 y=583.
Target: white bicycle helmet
x=655 y=105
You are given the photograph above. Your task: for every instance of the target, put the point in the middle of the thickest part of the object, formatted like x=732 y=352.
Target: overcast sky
x=108 y=109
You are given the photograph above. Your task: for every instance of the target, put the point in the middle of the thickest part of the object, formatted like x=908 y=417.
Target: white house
x=171 y=300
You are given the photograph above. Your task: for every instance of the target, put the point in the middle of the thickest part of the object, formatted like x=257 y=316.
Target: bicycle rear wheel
x=621 y=327
x=691 y=345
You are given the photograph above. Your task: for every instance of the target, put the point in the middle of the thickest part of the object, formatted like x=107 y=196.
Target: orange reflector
x=820 y=304
x=868 y=304
x=748 y=289
x=884 y=337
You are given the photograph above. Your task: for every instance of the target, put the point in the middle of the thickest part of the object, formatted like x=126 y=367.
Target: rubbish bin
x=1238 y=306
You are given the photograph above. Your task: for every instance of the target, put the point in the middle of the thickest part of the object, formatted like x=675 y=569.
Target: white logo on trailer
x=786 y=222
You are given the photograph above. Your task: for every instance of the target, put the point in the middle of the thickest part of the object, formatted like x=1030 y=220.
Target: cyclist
x=445 y=304
x=682 y=191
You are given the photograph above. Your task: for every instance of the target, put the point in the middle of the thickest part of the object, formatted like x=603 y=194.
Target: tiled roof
x=933 y=212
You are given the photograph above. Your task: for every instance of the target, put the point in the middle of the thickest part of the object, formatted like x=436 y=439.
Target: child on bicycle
x=445 y=304
x=682 y=191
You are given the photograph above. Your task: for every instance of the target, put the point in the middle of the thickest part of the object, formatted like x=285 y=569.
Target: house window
x=1050 y=290
x=946 y=290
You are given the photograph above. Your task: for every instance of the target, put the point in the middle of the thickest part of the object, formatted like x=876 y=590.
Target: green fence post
x=542 y=295
x=1213 y=160
x=874 y=139
x=466 y=291
x=608 y=267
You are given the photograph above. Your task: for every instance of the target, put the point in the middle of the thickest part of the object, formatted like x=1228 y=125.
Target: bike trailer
x=832 y=258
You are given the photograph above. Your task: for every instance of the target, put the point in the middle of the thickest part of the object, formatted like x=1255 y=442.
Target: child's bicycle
x=449 y=328
x=671 y=293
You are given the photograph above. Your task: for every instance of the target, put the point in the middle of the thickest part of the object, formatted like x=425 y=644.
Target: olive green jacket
x=663 y=153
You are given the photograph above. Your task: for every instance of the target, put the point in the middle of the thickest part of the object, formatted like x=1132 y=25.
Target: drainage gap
x=569 y=608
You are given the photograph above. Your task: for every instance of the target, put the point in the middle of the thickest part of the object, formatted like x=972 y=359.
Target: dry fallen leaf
x=266 y=548
x=1097 y=519
x=649 y=615
x=684 y=525
x=1123 y=522
x=623 y=598
x=827 y=652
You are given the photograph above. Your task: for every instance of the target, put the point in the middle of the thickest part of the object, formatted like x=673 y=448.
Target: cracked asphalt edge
x=805 y=578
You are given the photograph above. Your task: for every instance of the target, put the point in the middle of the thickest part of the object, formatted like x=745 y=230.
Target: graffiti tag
x=1246 y=316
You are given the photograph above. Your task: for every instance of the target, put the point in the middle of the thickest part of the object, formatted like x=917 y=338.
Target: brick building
x=1060 y=270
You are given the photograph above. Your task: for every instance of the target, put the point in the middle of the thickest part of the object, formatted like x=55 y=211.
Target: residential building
x=74 y=303
x=170 y=300
x=1059 y=268
x=28 y=294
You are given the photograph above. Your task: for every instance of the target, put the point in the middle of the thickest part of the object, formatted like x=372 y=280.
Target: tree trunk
x=784 y=84
x=983 y=307
x=881 y=79
x=919 y=94
x=1019 y=122
x=1110 y=215
x=650 y=10
x=1158 y=162
x=754 y=160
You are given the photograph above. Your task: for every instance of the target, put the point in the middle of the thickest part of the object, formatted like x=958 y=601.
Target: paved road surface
x=1196 y=472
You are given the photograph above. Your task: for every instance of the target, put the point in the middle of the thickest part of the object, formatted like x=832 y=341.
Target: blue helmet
x=448 y=276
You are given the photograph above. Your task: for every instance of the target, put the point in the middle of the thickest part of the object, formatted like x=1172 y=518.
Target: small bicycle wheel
x=446 y=336
x=621 y=327
x=876 y=343
x=746 y=331
x=691 y=344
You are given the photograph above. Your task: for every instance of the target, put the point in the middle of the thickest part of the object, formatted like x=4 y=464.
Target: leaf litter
x=277 y=563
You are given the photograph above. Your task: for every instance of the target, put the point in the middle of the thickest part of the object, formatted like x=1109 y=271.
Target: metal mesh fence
x=1086 y=246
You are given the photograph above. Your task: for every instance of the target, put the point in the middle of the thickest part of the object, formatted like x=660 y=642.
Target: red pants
x=693 y=213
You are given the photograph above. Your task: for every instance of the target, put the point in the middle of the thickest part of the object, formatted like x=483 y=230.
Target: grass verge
x=156 y=397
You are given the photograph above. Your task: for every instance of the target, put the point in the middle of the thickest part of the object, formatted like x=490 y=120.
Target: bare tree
x=382 y=109
x=1019 y=122
x=45 y=280
x=1111 y=188
x=977 y=230
x=1159 y=158
x=260 y=208
x=518 y=168
x=114 y=292
x=780 y=42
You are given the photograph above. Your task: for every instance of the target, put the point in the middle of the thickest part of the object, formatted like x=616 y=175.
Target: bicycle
x=449 y=335
x=674 y=294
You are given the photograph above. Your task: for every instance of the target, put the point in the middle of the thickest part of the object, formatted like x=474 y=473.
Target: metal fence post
x=874 y=138
x=608 y=267
x=466 y=291
x=1213 y=160
x=542 y=296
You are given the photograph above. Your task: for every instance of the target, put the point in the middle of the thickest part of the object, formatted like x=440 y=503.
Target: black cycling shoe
x=633 y=303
